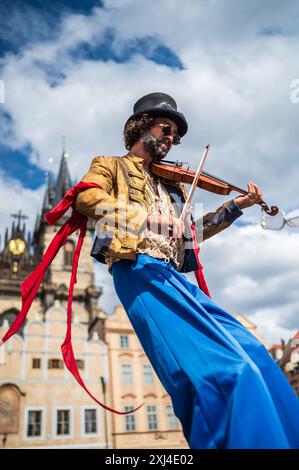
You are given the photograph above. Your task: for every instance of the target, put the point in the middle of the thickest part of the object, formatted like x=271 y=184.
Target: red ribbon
x=199 y=272
x=31 y=285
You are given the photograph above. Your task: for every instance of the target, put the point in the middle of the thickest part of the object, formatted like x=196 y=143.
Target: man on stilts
x=225 y=388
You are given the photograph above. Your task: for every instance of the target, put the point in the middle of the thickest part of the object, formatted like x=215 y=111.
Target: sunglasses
x=166 y=130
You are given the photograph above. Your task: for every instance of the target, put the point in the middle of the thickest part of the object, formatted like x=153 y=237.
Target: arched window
x=10 y=403
x=68 y=253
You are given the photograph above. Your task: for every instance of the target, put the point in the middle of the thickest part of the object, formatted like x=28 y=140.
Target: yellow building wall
x=136 y=393
x=47 y=389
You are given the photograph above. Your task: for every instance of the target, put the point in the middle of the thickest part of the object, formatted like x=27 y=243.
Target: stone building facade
x=41 y=405
x=132 y=382
x=287 y=357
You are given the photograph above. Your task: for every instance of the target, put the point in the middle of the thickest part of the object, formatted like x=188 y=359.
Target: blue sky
x=16 y=163
x=76 y=68
x=39 y=21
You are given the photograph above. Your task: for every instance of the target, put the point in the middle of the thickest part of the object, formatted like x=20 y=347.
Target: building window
x=36 y=363
x=130 y=422
x=68 y=253
x=90 y=421
x=63 y=423
x=151 y=417
x=80 y=363
x=126 y=374
x=172 y=422
x=148 y=374
x=55 y=364
x=124 y=341
x=2 y=354
x=34 y=423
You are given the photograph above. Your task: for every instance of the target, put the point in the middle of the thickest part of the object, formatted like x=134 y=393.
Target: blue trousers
x=226 y=390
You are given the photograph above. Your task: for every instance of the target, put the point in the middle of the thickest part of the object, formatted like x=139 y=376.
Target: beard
x=158 y=148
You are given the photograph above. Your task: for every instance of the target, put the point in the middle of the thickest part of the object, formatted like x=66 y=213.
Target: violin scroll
x=273 y=210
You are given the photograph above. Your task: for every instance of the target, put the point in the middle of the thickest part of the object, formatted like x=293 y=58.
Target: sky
x=77 y=67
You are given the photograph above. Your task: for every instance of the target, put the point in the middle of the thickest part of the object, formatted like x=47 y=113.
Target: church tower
x=56 y=288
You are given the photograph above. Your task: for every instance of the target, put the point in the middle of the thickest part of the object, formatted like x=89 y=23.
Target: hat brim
x=178 y=118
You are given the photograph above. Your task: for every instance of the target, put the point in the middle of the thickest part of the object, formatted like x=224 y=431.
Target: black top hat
x=160 y=104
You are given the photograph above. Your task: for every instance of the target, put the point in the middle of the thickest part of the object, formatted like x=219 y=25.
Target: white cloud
x=255 y=273
x=235 y=93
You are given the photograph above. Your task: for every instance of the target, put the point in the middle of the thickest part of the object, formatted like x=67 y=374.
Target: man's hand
x=254 y=196
x=166 y=225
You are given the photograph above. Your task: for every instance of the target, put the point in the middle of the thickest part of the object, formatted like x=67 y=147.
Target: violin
x=175 y=172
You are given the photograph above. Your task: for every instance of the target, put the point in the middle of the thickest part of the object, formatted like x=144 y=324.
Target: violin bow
x=194 y=184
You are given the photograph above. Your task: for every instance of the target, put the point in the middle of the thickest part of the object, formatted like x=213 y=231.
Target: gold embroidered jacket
x=122 y=207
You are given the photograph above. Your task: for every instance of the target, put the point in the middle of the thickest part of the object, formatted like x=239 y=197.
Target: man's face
x=160 y=144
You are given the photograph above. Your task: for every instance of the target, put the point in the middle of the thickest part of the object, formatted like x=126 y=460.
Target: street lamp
x=278 y=221
x=105 y=411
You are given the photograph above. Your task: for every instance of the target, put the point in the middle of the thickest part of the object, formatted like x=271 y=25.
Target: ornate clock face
x=17 y=246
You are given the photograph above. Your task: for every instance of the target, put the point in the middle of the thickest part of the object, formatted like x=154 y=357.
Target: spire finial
x=63 y=182
x=19 y=216
x=63 y=136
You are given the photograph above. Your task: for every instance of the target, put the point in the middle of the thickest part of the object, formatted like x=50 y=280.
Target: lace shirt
x=157 y=245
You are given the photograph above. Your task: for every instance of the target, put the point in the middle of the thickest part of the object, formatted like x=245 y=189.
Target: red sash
x=31 y=285
x=198 y=273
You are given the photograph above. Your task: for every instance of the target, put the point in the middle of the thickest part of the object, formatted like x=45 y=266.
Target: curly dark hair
x=135 y=128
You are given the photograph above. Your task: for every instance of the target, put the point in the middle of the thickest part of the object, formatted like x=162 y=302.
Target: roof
x=63 y=183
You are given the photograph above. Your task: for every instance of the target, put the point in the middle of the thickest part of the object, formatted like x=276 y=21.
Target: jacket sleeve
x=214 y=222
x=117 y=216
